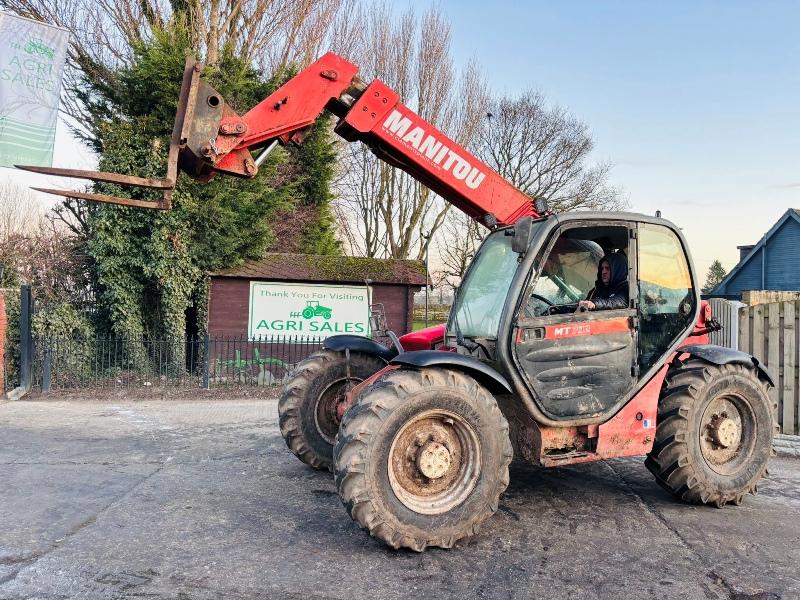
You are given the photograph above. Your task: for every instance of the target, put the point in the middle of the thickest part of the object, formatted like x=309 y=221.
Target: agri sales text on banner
x=32 y=56
x=306 y=310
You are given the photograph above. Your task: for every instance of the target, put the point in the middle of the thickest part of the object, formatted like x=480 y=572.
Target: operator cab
x=570 y=272
x=576 y=363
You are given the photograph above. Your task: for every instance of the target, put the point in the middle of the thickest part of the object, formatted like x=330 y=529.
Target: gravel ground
x=201 y=499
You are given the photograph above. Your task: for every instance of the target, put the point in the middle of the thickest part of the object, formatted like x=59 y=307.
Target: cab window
x=479 y=302
x=570 y=270
x=666 y=296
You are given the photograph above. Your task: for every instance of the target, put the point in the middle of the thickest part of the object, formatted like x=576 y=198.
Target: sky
x=694 y=103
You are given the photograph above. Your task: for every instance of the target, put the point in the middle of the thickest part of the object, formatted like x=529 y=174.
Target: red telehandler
x=420 y=435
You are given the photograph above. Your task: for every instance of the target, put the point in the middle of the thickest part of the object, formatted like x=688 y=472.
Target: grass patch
x=421 y=324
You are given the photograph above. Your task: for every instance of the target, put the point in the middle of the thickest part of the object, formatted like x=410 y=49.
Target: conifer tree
x=716 y=273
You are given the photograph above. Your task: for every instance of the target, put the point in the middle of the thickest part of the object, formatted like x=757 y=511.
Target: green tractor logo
x=313 y=309
x=36 y=46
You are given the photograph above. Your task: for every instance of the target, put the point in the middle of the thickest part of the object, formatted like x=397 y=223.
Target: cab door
x=577 y=364
x=667 y=299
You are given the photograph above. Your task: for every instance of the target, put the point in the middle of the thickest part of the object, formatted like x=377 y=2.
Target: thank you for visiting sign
x=32 y=56
x=278 y=310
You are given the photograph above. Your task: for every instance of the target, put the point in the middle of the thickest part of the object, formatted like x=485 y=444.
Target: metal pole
x=25 y=337
x=427 y=274
x=206 y=362
x=46 y=366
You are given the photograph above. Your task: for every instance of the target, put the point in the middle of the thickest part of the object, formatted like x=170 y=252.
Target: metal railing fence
x=727 y=313
x=129 y=362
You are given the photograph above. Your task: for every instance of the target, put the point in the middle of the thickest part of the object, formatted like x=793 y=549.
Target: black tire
x=690 y=457
x=404 y=411
x=309 y=427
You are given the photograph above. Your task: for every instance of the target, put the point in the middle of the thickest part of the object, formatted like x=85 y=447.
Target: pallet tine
x=188 y=93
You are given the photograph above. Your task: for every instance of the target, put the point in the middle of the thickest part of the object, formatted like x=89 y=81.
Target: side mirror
x=523 y=232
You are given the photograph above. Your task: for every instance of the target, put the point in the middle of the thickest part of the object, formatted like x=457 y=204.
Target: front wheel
x=714 y=433
x=422 y=458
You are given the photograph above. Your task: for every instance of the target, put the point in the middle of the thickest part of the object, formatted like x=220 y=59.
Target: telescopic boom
x=209 y=138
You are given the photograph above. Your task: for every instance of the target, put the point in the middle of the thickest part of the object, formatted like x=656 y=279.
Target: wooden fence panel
x=758 y=339
x=770 y=333
x=774 y=343
x=789 y=389
x=744 y=330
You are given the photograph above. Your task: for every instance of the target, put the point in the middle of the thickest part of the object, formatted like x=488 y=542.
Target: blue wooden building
x=771 y=264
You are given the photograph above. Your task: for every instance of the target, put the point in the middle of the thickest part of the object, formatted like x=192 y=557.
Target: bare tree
x=73 y=216
x=271 y=34
x=48 y=259
x=545 y=152
x=34 y=249
x=459 y=241
x=20 y=211
x=384 y=211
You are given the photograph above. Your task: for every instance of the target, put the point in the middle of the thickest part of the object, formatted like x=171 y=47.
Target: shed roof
x=314 y=267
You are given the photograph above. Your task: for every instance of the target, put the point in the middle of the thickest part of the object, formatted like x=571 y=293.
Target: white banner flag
x=32 y=56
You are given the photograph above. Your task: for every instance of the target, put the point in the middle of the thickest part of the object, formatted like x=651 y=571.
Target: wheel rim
x=727 y=433
x=326 y=417
x=434 y=462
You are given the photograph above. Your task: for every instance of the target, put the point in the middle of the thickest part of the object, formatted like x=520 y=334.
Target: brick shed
x=393 y=284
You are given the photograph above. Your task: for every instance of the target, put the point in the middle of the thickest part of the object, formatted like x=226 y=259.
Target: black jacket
x=615 y=294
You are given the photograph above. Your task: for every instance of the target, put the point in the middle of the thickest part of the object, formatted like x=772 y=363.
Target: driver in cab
x=611 y=288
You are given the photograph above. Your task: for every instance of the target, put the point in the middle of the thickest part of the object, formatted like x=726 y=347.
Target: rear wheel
x=422 y=458
x=714 y=434
x=307 y=410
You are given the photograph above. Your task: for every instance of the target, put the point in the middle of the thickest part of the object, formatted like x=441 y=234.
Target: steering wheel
x=529 y=309
x=543 y=299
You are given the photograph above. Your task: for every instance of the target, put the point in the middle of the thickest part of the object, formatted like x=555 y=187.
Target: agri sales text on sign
x=307 y=310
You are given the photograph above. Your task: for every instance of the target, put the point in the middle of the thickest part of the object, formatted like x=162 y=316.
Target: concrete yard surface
x=202 y=499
